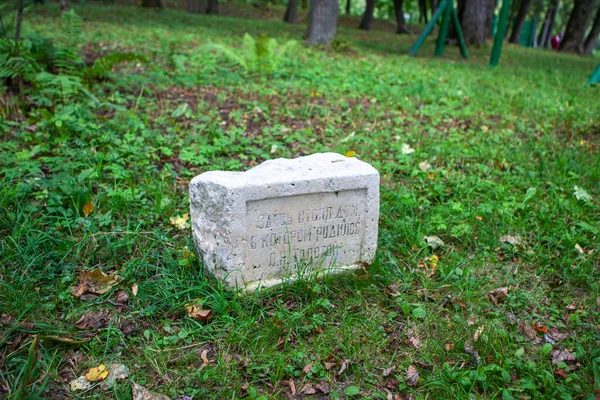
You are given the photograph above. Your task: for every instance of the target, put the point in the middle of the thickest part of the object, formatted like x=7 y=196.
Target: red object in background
x=555 y=41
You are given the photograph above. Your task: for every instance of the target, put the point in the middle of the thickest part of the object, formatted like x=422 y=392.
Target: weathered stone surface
x=285 y=217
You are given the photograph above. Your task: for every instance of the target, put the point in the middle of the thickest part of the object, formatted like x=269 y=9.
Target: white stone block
x=317 y=213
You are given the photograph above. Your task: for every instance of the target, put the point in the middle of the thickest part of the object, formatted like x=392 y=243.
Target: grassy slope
x=506 y=145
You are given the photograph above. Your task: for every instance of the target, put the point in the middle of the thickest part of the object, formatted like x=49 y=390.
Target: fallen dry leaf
x=319 y=330
x=434 y=242
x=526 y=330
x=514 y=240
x=308 y=389
x=194 y=311
x=579 y=249
x=307 y=368
x=449 y=346
x=204 y=357
x=498 y=295
x=98 y=373
x=388 y=371
x=414 y=342
x=80 y=384
x=329 y=365
x=343 y=367
x=412 y=376
x=561 y=372
x=122 y=298
x=562 y=355
x=96 y=282
x=93 y=320
x=539 y=328
x=292 y=387
x=323 y=387
x=141 y=393
x=350 y=153
x=424 y=166
x=393 y=290
x=180 y=222
x=88 y=208
x=127 y=326
x=134 y=289
x=116 y=373
x=478 y=333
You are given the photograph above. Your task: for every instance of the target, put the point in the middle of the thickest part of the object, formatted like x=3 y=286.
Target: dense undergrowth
x=501 y=164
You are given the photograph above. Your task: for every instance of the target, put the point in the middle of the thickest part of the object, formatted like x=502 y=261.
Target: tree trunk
x=399 y=11
x=152 y=3
x=19 y=22
x=592 y=38
x=322 y=21
x=423 y=11
x=518 y=27
x=489 y=18
x=433 y=7
x=367 y=20
x=213 y=7
x=190 y=6
x=64 y=5
x=304 y=4
x=200 y=6
x=348 y=6
x=473 y=21
x=291 y=12
x=578 y=22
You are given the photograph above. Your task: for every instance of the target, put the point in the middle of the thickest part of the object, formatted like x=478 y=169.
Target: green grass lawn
x=505 y=171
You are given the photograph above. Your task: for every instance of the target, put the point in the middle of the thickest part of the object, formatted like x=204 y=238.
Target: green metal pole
x=441 y=39
x=427 y=31
x=499 y=39
x=461 y=40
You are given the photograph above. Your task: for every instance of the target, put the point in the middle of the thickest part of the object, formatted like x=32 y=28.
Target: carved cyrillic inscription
x=314 y=230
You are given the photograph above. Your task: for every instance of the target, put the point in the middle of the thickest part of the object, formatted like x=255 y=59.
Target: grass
x=507 y=148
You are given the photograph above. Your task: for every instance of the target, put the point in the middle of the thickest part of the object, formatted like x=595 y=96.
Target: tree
x=520 y=21
x=64 y=5
x=322 y=21
x=152 y=3
x=473 y=21
x=422 y=11
x=546 y=32
x=291 y=12
x=574 y=38
x=348 y=6
x=400 y=23
x=367 y=20
x=213 y=7
x=592 y=38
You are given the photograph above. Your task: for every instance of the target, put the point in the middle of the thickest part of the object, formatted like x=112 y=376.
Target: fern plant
x=17 y=61
x=67 y=59
x=258 y=55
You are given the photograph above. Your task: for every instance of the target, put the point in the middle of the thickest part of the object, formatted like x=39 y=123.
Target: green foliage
x=103 y=65
x=16 y=60
x=67 y=59
x=258 y=55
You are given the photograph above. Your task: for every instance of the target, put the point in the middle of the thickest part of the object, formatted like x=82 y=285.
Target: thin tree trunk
x=304 y=4
x=545 y=25
x=398 y=10
x=473 y=21
x=348 y=6
x=367 y=20
x=425 y=11
x=190 y=6
x=213 y=7
x=291 y=12
x=489 y=18
x=322 y=21
x=518 y=27
x=64 y=5
x=578 y=22
x=433 y=7
x=592 y=38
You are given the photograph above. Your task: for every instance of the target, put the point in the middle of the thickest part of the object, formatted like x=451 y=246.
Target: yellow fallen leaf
x=430 y=176
x=95 y=281
x=180 y=222
x=88 y=208
x=350 y=153
x=134 y=289
x=98 y=373
x=484 y=128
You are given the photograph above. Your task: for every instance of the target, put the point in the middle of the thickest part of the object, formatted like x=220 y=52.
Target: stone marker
x=285 y=217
